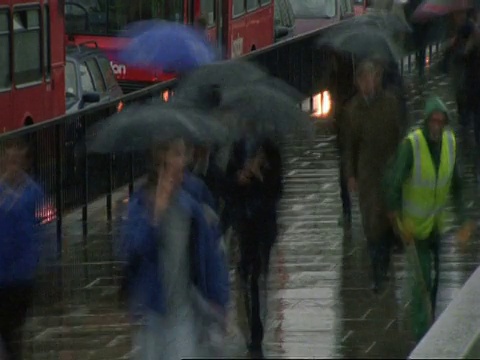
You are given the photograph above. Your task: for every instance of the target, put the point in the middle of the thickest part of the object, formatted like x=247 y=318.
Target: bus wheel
x=28 y=121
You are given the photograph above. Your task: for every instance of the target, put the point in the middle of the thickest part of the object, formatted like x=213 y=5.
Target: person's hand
x=163 y=194
x=243 y=177
x=352 y=185
x=465 y=232
x=405 y=230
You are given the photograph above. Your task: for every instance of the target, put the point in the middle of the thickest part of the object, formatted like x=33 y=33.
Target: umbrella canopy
x=429 y=9
x=139 y=127
x=362 y=42
x=221 y=75
x=261 y=110
x=209 y=96
x=167 y=46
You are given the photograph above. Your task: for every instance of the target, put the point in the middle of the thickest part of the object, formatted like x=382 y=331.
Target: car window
x=86 y=79
x=107 y=72
x=97 y=77
x=71 y=89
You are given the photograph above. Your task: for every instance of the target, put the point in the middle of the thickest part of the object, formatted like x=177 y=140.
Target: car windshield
x=112 y=16
x=71 y=87
x=310 y=9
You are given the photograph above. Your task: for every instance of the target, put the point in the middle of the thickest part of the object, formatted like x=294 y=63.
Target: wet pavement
x=320 y=303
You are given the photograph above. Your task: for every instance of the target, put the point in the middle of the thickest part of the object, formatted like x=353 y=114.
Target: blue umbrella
x=167 y=46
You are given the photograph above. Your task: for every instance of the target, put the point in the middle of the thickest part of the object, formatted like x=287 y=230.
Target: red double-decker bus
x=32 y=62
x=235 y=26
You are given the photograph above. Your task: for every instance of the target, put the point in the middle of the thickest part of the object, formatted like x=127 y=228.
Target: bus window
x=27 y=45
x=252 y=5
x=120 y=13
x=312 y=9
x=238 y=8
x=86 y=79
x=96 y=76
x=346 y=6
x=5 y=65
x=265 y=2
x=208 y=11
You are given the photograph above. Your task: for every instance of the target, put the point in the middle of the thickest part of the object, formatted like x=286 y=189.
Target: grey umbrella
x=203 y=84
x=362 y=41
x=139 y=127
x=263 y=110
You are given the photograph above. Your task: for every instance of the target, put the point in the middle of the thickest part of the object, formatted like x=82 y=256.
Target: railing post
x=111 y=157
x=85 y=181
x=58 y=138
x=58 y=188
x=132 y=174
x=409 y=61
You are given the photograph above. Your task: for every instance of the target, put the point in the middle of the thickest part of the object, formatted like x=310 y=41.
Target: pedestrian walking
x=424 y=175
x=374 y=120
x=255 y=172
x=176 y=278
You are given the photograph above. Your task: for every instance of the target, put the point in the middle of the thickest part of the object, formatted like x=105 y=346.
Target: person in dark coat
x=255 y=173
x=20 y=247
x=374 y=121
x=468 y=89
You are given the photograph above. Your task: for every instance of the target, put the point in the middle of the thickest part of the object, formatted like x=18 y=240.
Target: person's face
x=436 y=124
x=379 y=78
x=367 y=83
x=175 y=161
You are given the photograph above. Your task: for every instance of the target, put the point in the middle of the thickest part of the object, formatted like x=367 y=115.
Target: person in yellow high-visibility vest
x=424 y=174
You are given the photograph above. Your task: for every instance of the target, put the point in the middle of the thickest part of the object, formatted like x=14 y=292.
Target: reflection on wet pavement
x=320 y=303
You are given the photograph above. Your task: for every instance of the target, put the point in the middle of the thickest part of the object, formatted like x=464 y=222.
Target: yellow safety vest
x=425 y=193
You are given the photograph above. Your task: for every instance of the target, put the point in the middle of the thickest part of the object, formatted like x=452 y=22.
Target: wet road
x=320 y=302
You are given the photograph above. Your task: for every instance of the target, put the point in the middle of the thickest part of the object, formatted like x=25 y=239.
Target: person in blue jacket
x=19 y=247
x=176 y=277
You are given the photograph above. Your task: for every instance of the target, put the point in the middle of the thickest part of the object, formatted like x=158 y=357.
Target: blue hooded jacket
x=209 y=272
x=198 y=190
x=20 y=240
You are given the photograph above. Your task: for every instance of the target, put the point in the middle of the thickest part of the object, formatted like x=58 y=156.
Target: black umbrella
x=260 y=109
x=281 y=86
x=139 y=127
x=202 y=85
x=362 y=41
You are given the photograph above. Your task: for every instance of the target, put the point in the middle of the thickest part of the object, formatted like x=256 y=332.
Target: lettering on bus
x=118 y=69
x=237 y=47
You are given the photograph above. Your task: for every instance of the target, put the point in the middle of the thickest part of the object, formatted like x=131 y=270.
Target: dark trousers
x=15 y=300
x=420 y=57
x=345 y=194
x=467 y=115
x=380 y=254
x=428 y=251
x=255 y=242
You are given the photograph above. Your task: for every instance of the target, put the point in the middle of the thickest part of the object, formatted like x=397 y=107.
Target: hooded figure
x=374 y=122
x=423 y=176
